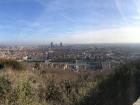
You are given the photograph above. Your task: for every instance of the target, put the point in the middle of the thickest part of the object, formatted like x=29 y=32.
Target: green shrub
x=53 y=92
x=5 y=88
x=25 y=93
x=13 y=97
x=20 y=95
x=120 y=88
x=11 y=63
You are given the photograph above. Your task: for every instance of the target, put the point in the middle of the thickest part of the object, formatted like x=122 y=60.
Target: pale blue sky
x=75 y=21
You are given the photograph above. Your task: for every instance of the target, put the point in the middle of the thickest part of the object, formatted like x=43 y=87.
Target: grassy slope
x=120 y=88
x=57 y=87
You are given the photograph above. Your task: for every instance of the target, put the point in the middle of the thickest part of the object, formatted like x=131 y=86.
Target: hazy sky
x=70 y=21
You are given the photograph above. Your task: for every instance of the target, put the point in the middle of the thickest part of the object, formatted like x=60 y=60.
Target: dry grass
x=39 y=82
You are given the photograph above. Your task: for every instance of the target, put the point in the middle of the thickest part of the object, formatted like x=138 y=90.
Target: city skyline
x=70 y=21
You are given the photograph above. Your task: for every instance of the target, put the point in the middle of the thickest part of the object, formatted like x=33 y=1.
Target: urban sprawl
x=72 y=57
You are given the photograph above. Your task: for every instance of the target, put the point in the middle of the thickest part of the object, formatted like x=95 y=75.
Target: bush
x=21 y=95
x=5 y=88
x=53 y=92
x=120 y=88
x=11 y=63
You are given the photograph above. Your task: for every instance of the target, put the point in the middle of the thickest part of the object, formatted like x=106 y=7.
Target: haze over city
x=69 y=52
x=70 y=21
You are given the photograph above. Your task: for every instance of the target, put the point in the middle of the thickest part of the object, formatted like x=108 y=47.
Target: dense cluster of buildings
x=73 y=57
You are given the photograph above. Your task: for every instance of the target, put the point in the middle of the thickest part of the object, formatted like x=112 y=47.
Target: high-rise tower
x=61 y=45
x=52 y=45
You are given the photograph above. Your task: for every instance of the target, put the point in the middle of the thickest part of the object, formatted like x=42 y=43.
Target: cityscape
x=69 y=52
x=73 y=57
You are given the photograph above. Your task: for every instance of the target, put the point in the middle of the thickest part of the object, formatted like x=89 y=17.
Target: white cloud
x=112 y=35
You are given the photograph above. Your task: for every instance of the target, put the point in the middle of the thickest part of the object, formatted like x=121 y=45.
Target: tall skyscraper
x=61 y=44
x=52 y=45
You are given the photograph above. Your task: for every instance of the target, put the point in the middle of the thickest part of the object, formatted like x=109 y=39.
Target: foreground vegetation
x=10 y=64
x=122 y=87
x=57 y=87
x=49 y=87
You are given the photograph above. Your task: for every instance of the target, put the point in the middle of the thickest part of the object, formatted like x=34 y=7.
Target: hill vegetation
x=122 y=87
x=10 y=64
x=35 y=87
x=58 y=87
